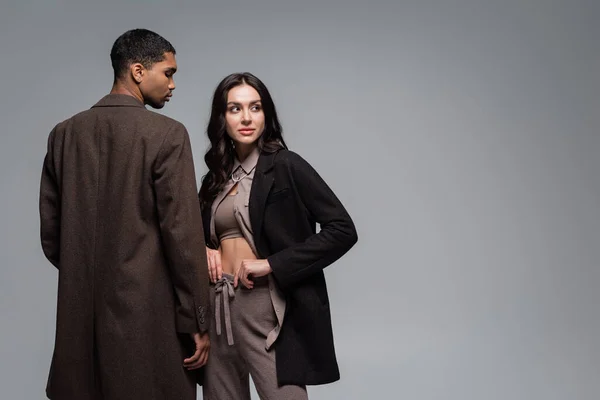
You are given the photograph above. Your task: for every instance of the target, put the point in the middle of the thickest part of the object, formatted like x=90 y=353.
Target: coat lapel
x=261 y=185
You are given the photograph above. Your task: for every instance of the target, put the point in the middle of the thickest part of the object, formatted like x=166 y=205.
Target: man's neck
x=120 y=87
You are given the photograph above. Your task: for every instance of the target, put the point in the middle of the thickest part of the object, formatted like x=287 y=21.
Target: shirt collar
x=249 y=163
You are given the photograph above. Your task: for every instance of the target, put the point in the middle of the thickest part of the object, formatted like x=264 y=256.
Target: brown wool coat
x=120 y=220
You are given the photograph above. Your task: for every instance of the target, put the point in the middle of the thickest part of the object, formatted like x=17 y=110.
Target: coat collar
x=118 y=100
x=265 y=162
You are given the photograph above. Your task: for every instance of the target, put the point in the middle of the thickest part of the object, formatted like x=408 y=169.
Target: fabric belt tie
x=225 y=290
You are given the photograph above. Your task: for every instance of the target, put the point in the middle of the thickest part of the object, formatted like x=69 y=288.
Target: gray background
x=463 y=137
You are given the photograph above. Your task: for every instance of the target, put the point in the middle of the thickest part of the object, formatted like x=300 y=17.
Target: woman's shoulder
x=288 y=158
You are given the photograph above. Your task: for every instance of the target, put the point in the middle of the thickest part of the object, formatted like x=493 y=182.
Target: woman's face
x=244 y=115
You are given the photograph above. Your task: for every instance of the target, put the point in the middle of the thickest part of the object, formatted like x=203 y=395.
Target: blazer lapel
x=261 y=185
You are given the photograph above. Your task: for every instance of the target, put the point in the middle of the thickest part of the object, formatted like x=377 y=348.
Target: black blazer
x=287 y=199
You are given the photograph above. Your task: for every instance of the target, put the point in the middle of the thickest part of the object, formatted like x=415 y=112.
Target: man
x=120 y=220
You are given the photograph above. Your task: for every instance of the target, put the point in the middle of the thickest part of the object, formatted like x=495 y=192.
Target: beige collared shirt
x=245 y=170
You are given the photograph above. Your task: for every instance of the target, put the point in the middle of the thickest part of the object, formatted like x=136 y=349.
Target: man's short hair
x=138 y=46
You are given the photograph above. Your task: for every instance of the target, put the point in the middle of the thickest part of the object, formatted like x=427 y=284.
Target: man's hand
x=200 y=357
x=251 y=269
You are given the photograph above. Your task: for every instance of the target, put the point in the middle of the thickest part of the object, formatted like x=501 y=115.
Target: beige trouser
x=243 y=318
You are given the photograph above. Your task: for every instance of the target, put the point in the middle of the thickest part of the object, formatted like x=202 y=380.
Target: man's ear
x=138 y=72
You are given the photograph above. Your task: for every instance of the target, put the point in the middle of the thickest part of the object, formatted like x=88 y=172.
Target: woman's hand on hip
x=215 y=270
x=251 y=269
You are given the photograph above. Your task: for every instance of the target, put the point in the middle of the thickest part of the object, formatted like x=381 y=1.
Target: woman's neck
x=243 y=151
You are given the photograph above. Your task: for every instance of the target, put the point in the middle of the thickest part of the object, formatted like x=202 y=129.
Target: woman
x=260 y=204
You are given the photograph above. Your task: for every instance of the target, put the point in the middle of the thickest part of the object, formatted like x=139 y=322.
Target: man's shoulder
x=139 y=119
x=160 y=122
x=149 y=118
x=162 y=119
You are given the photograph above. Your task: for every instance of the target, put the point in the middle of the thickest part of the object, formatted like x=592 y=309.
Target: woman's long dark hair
x=221 y=155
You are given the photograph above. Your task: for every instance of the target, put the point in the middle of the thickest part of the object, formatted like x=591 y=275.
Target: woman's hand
x=251 y=269
x=215 y=270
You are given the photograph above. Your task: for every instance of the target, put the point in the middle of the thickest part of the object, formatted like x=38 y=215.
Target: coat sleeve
x=181 y=229
x=50 y=206
x=337 y=234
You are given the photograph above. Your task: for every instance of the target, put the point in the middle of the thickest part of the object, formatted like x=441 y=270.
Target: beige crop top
x=226 y=226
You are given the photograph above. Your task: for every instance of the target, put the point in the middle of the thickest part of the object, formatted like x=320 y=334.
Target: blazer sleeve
x=337 y=234
x=181 y=229
x=49 y=205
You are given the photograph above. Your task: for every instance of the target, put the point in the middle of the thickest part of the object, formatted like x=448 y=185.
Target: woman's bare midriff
x=233 y=251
